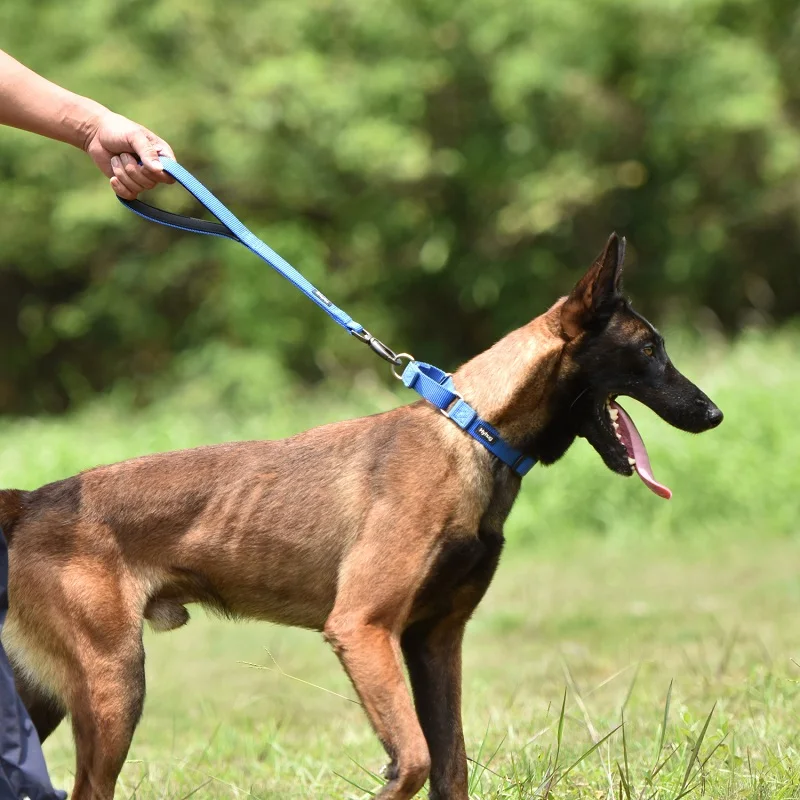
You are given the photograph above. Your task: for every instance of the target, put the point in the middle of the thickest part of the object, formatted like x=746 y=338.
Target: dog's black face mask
x=618 y=352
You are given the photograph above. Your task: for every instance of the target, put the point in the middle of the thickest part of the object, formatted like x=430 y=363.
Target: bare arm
x=32 y=103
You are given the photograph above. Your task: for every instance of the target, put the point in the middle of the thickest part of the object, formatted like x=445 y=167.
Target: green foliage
x=443 y=170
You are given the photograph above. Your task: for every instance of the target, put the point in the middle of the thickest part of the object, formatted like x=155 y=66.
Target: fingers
x=120 y=190
x=129 y=177
x=119 y=145
x=148 y=146
x=164 y=149
x=144 y=147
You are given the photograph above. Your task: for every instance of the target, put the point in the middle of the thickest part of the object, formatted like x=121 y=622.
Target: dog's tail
x=12 y=504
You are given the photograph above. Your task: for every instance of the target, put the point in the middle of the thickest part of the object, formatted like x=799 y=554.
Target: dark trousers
x=23 y=773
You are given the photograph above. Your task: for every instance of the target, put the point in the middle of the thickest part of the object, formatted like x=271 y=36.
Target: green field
x=678 y=619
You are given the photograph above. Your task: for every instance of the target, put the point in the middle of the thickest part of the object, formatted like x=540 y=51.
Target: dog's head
x=614 y=351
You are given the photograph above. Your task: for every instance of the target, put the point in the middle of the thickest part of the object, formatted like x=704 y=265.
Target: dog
x=382 y=532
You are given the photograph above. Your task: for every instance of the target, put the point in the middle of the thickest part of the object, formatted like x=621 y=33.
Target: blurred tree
x=443 y=170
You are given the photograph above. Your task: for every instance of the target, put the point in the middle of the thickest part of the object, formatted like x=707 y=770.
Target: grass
x=641 y=634
x=628 y=648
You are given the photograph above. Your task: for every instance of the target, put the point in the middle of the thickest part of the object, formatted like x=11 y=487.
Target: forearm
x=34 y=104
x=126 y=152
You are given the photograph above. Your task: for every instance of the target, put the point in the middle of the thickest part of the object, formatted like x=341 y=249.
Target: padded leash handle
x=230 y=227
x=191 y=224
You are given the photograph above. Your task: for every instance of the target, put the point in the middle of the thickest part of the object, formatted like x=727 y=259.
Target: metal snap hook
x=376 y=345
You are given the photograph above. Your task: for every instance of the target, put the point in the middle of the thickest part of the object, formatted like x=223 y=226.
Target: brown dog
x=382 y=532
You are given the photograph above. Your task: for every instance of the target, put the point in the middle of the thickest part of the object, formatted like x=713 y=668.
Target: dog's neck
x=519 y=387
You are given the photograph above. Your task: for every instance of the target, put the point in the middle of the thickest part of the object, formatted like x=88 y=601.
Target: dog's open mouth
x=627 y=434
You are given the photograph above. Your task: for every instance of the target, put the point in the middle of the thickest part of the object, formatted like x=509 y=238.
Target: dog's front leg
x=433 y=656
x=432 y=648
x=364 y=628
x=370 y=655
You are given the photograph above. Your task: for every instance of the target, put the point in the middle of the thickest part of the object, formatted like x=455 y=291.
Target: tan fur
x=382 y=532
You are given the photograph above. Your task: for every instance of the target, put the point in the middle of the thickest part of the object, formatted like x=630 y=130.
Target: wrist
x=80 y=118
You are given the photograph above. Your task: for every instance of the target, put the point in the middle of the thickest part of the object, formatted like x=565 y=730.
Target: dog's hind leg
x=105 y=710
x=81 y=637
x=83 y=642
x=106 y=685
x=44 y=710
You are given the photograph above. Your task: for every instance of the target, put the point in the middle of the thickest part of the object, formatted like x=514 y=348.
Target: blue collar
x=437 y=387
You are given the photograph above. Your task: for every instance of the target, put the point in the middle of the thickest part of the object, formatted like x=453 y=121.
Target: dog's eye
x=649 y=351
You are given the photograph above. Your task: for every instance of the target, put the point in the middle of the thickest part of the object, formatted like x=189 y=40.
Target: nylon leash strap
x=433 y=384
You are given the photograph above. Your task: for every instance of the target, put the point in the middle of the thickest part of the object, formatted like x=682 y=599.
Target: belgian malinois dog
x=383 y=533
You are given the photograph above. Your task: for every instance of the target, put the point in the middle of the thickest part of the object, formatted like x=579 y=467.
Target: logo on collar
x=485 y=435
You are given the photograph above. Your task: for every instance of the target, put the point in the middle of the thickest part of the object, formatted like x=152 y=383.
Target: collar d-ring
x=399 y=363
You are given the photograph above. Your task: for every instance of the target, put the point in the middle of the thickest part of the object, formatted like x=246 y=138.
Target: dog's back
x=92 y=555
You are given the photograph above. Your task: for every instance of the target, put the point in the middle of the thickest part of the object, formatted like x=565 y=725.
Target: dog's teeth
x=631 y=461
x=613 y=413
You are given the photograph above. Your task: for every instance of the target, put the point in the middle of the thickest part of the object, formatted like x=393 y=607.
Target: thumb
x=146 y=149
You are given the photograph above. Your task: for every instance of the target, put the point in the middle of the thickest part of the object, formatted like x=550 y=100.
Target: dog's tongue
x=636 y=449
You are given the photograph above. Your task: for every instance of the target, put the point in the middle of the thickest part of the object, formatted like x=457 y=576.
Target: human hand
x=114 y=142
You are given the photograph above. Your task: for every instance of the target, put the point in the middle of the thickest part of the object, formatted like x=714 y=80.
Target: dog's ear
x=594 y=297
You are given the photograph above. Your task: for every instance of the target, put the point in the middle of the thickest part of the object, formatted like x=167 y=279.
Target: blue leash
x=435 y=385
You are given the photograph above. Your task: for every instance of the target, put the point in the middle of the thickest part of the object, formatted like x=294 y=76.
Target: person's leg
x=23 y=772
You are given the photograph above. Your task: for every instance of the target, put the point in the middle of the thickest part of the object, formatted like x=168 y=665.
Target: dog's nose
x=714 y=416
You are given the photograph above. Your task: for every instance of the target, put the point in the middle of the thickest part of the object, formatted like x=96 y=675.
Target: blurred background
x=443 y=171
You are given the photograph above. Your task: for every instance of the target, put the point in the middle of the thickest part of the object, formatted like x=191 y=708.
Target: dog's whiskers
x=572 y=404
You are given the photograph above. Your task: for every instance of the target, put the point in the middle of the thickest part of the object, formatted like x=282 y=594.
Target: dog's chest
x=466 y=562
x=459 y=575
